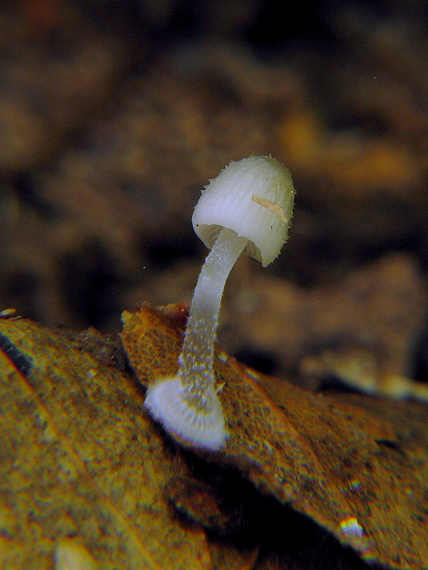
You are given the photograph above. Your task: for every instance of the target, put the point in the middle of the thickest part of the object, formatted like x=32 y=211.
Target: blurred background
x=115 y=113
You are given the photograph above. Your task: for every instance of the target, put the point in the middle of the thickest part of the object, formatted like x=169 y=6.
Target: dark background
x=114 y=115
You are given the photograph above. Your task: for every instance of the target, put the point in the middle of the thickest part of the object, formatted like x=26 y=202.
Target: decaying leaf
x=362 y=329
x=204 y=504
x=82 y=468
x=363 y=478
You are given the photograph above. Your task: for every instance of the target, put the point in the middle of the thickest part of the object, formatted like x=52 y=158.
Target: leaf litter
x=357 y=467
x=80 y=458
x=85 y=470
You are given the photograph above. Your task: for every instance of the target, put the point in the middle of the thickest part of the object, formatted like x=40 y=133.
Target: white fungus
x=246 y=208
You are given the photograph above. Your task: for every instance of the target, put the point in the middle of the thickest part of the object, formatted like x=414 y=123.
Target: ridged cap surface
x=254 y=197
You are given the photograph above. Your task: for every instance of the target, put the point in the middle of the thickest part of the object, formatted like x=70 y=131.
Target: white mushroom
x=246 y=208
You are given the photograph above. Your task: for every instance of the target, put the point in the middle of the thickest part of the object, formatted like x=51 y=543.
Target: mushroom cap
x=254 y=197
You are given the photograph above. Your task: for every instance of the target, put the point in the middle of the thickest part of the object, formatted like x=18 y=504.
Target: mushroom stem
x=196 y=371
x=187 y=404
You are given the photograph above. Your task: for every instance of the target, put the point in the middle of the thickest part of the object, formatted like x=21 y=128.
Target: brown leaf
x=354 y=473
x=205 y=504
x=82 y=468
x=362 y=329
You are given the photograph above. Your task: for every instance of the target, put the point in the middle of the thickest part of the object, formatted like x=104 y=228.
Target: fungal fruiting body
x=187 y=403
x=247 y=208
